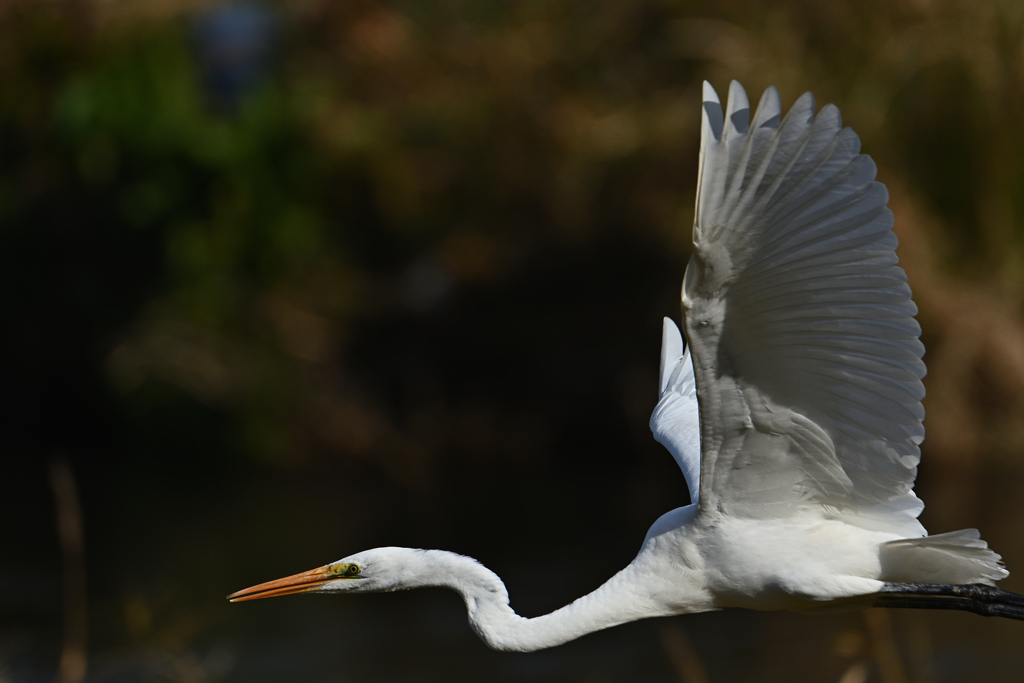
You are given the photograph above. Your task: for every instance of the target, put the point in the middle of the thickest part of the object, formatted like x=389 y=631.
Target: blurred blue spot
x=235 y=45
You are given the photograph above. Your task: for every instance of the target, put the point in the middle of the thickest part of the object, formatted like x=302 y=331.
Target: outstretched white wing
x=675 y=420
x=806 y=352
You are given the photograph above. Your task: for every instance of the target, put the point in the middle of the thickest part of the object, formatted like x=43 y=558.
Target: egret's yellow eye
x=344 y=569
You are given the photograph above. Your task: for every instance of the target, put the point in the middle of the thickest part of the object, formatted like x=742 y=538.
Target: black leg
x=988 y=601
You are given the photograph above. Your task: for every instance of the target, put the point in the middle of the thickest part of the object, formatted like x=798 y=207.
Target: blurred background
x=284 y=281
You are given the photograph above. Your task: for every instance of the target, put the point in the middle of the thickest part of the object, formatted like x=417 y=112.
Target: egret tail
x=954 y=557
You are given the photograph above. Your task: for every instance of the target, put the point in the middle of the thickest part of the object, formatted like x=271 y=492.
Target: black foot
x=988 y=601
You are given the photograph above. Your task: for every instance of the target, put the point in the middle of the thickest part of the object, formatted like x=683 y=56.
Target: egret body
x=793 y=409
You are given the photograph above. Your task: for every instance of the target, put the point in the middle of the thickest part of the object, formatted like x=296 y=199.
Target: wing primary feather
x=711 y=132
x=713 y=117
x=769 y=110
x=737 y=110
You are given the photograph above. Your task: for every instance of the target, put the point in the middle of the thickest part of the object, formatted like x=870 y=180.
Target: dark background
x=281 y=282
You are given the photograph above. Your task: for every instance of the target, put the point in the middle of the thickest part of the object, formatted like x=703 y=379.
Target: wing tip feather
x=738 y=109
x=713 y=118
x=769 y=109
x=803 y=109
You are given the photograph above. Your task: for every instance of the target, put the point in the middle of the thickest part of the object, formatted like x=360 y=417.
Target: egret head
x=371 y=571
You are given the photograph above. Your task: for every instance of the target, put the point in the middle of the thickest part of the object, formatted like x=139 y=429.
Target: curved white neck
x=615 y=602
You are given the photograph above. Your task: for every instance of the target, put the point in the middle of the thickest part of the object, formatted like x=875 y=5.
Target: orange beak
x=296 y=583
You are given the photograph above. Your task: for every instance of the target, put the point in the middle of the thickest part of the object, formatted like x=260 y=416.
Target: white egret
x=794 y=412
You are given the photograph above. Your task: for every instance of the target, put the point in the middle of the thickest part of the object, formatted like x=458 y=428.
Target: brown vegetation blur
x=284 y=281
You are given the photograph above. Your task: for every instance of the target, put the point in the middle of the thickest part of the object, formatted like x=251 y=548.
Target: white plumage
x=808 y=360
x=794 y=411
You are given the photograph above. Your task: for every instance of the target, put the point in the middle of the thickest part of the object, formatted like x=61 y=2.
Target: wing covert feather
x=805 y=350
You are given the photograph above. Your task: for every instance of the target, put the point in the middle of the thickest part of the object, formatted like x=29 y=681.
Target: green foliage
x=390 y=140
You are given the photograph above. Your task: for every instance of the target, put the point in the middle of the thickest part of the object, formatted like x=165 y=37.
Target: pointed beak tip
x=303 y=582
